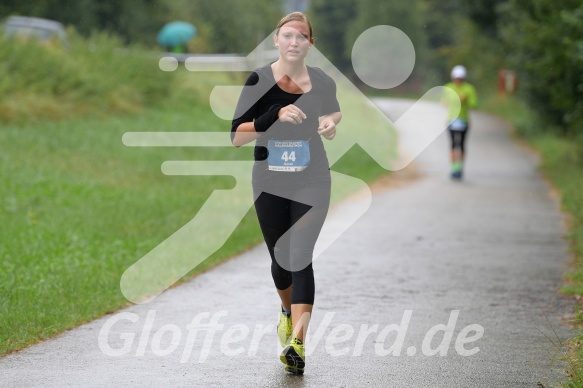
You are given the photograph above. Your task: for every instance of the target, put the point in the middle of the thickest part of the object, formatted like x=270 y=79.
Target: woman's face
x=293 y=40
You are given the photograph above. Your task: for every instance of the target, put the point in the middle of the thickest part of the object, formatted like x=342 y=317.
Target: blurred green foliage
x=330 y=21
x=545 y=42
x=134 y=21
x=540 y=39
x=223 y=26
x=92 y=76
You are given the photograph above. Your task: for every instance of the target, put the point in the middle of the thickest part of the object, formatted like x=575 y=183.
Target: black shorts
x=458 y=139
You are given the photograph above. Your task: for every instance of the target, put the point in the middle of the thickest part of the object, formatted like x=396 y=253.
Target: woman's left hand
x=327 y=129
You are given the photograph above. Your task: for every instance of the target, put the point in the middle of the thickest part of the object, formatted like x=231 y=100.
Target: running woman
x=287 y=108
x=459 y=124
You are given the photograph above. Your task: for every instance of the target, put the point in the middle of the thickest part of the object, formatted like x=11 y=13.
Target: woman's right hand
x=291 y=114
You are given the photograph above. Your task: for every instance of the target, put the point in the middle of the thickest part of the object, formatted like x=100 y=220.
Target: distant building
x=295 y=5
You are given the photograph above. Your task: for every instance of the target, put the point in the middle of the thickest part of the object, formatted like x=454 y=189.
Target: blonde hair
x=295 y=17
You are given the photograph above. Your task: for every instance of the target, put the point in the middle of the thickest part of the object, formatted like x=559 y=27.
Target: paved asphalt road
x=439 y=284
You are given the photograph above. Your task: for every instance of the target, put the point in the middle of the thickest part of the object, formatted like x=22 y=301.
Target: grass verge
x=562 y=164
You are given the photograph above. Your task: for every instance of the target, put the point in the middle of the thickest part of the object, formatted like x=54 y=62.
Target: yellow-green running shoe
x=284 y=329
x=293 y=357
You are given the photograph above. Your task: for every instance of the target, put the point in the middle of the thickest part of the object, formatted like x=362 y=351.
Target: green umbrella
x=176 y=34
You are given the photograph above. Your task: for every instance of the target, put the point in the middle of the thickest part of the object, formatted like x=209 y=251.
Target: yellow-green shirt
x=465 y=89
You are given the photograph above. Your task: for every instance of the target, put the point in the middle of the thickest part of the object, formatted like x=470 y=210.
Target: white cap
x=458 y=72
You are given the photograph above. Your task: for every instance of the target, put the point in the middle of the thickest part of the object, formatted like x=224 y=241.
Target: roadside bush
x=91 y=76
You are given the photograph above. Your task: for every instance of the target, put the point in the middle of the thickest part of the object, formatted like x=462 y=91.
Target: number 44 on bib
x=288 y=155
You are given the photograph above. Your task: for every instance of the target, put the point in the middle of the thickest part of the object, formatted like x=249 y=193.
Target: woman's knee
x=281 y=277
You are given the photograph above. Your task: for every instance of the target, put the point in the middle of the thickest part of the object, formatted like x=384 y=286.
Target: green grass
x=78 y=207
x=562 y=164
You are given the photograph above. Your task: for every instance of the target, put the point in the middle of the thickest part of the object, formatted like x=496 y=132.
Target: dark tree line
x=134 y=21
x=544 y=39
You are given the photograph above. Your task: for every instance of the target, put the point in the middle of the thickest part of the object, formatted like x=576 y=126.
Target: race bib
x=288 y=155
x=458 y=125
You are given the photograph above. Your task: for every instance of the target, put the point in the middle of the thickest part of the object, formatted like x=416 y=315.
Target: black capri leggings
x=291 y=223
x=458 y=139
